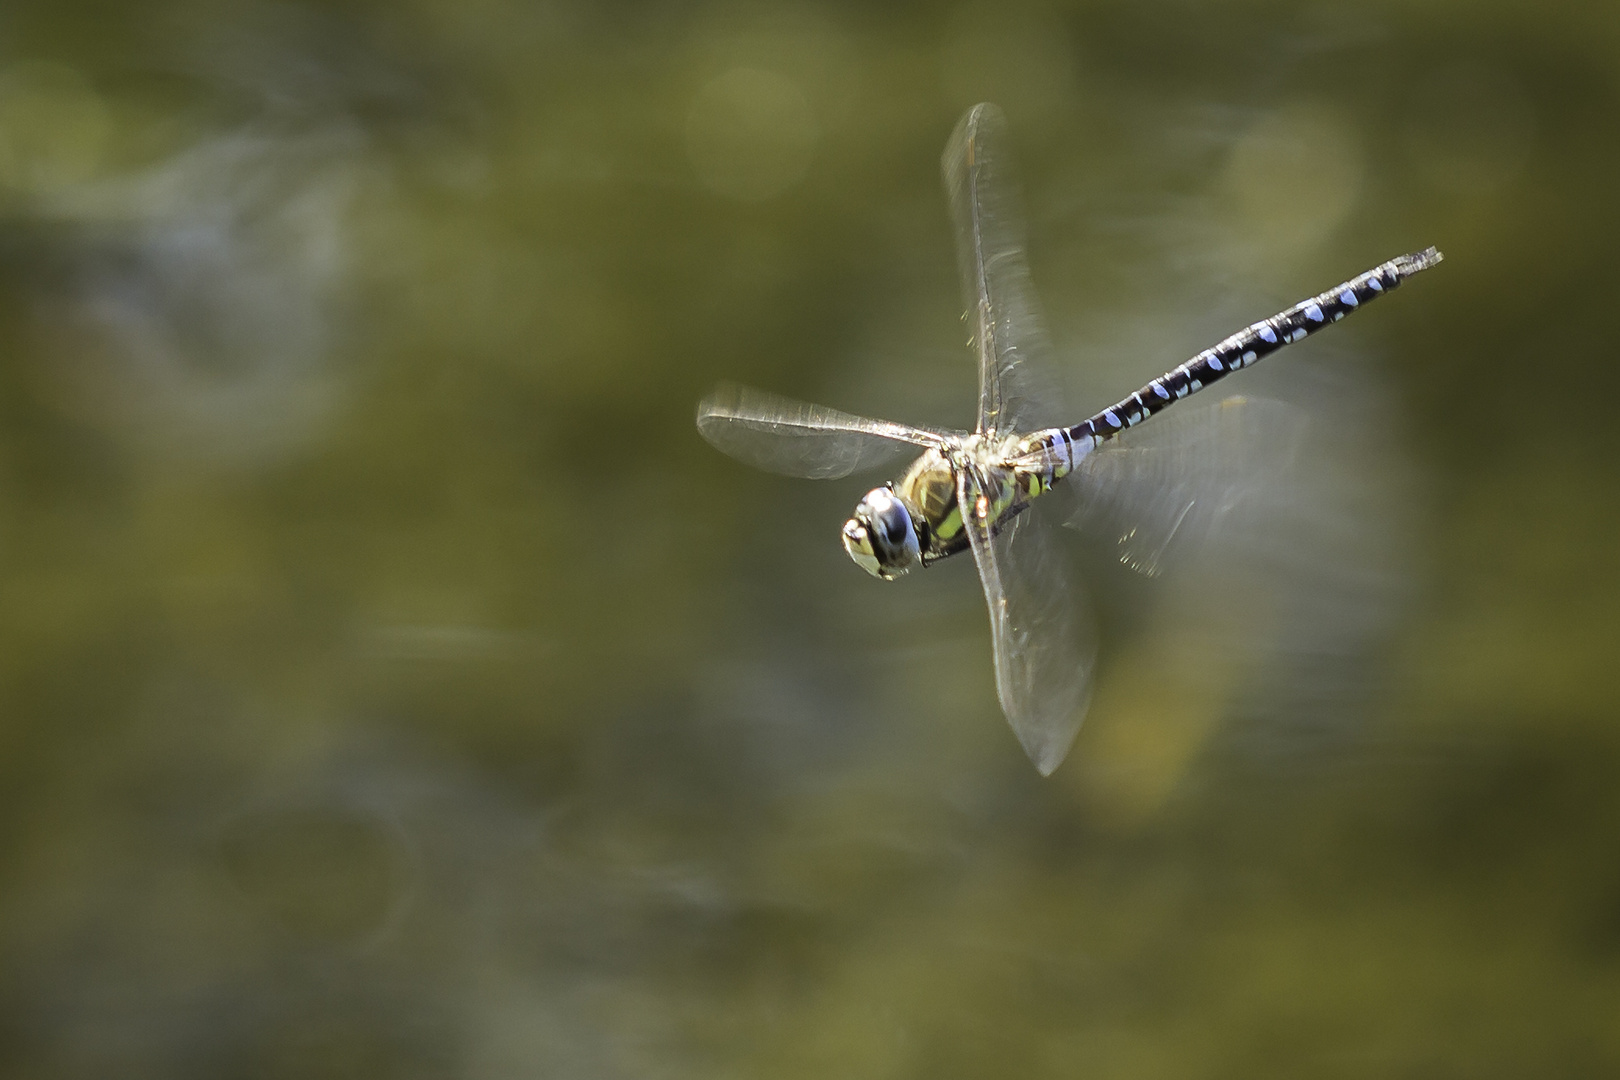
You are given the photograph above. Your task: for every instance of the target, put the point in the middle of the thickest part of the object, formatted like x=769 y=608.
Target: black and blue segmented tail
x=1248 y=345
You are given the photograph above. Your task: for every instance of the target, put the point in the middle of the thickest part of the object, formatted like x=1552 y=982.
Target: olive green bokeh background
x=393 y=684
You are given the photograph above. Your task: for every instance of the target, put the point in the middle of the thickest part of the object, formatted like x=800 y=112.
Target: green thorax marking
x=928 y=488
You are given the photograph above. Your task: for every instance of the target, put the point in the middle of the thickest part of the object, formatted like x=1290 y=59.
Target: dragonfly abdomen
x=1249 y=345
x=1040 y=459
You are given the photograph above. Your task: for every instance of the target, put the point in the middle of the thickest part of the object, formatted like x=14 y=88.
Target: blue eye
x=888 y=533
x=891 y=531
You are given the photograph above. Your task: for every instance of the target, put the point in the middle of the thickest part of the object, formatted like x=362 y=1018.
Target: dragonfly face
x=881 y=536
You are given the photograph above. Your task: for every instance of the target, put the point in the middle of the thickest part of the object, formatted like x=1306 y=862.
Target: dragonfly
x=981 y=491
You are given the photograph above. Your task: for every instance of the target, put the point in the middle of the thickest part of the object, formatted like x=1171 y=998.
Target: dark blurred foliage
x=393 y=684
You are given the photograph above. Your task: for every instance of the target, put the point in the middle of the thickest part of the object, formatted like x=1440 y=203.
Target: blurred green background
x=392 y=683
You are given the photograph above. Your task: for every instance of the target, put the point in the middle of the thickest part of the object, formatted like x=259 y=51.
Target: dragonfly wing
x=1162 y=491
x=1040 y=630
x=793 y=438
x=1017 y=388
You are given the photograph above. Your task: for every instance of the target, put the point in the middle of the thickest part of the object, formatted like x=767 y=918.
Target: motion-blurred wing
x=1017 y=389
x=793 y=438
x=1040 y=629
x=1173 y=485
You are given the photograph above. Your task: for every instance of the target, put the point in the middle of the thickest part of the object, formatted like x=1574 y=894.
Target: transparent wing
x=1017 y=387
x=1159 y=492
x=793 y=438
x=1041 y=631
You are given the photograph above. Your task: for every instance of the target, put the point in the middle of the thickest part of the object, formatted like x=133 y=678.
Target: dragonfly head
x=881 y=537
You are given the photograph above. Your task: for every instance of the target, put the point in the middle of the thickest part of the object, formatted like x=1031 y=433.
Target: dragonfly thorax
x=913 y=521
x=881 y=536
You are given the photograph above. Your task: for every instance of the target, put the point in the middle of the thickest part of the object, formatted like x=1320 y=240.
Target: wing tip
x=961 y=150
x=1048 y=746
x=721 y=401
x=1047 y=758
x=984 y=110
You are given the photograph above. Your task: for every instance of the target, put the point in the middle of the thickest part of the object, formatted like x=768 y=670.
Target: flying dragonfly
x=975 y=491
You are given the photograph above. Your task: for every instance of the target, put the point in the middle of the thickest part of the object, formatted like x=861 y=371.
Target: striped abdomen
x=1241 y=350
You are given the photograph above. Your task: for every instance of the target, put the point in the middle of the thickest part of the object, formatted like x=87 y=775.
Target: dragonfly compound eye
x=881 y=537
